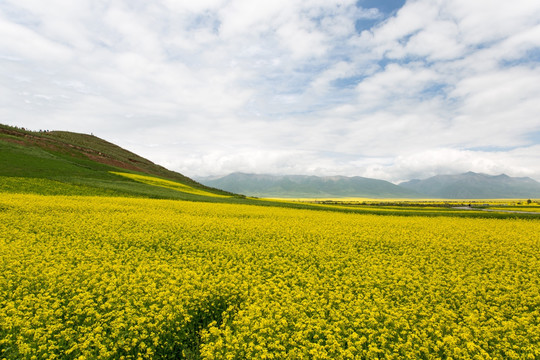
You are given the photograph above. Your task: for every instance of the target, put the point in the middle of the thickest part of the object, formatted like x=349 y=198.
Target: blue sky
x=386 y=89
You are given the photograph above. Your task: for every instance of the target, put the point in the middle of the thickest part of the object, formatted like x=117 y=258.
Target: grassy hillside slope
x=65 y=163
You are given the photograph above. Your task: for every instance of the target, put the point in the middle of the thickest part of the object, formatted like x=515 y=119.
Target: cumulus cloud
x=519 y=162
x=210 y=87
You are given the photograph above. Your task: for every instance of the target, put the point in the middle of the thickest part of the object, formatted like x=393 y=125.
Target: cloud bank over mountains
x=289 y=87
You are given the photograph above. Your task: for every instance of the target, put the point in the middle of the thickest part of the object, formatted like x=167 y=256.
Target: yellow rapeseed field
x=119 y=278
x=174 y=185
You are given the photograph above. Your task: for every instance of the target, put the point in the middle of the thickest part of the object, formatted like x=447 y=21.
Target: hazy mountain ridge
x=472 y=185
x=461 y=186
x=291 y=186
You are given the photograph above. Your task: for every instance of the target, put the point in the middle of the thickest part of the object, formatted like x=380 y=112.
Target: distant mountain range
x=303 y=186
x=475 y=186
x=463 y=186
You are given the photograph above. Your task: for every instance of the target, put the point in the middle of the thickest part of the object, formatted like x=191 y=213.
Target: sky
x=393 y=90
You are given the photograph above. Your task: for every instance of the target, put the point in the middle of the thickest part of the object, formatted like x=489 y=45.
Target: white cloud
x=432 y=162
x=485 y=21
x=21 y=43
x=436 y=41
x=394 y=85
x=497 y=107
x=323 y=82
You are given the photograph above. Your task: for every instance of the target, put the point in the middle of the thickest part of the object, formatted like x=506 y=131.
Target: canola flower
x=123 y=278
x=155 y=181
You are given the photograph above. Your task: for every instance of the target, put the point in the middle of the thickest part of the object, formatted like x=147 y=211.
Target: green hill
x=66 y=163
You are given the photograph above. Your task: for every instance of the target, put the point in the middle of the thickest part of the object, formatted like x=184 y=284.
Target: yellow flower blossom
x=119 y=278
